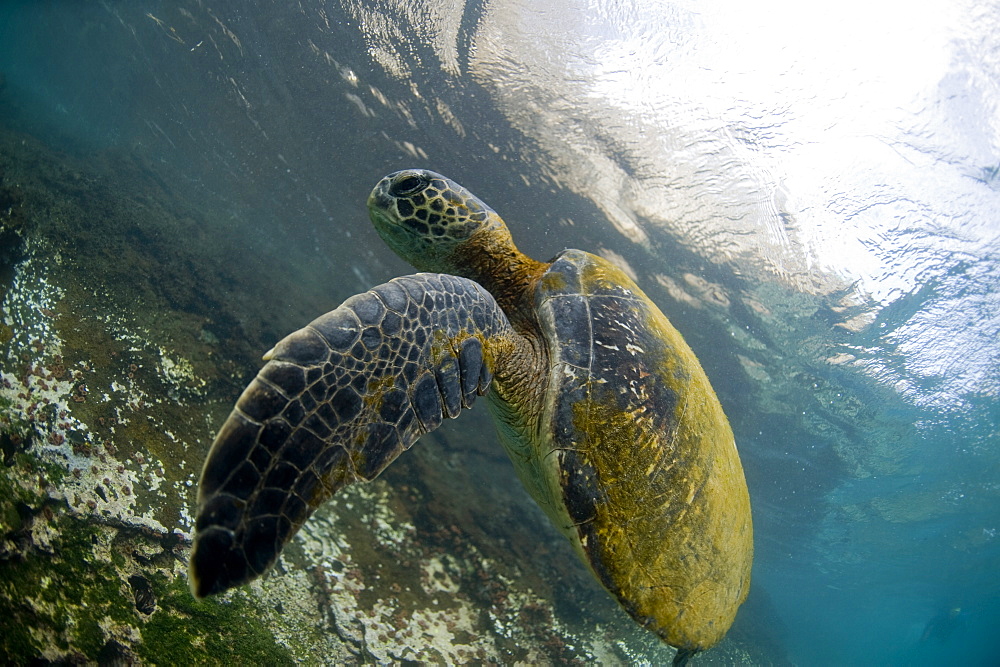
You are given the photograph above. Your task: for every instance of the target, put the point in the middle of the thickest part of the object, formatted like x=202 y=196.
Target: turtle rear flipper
x=337 y=402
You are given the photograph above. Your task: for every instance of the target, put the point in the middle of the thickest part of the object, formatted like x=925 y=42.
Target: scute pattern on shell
x=647 y=469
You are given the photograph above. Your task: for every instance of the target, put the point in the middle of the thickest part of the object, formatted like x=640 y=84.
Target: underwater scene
x=810 y=193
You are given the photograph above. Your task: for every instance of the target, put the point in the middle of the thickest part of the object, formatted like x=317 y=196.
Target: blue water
x=836 y=270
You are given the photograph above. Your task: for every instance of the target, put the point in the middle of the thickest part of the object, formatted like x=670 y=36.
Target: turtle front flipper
x=337 y=402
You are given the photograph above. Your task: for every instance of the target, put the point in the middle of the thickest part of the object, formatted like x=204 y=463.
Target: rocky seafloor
x=126 y=333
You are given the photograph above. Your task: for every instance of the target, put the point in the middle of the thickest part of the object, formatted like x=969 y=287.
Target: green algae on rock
x=95 y=414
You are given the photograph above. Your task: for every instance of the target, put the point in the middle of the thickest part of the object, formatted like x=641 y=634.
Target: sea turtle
x=604 y=410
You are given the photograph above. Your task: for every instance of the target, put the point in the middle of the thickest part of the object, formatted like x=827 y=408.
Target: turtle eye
x=406 y=186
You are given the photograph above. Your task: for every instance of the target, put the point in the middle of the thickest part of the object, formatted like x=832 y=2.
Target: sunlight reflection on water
x=835 y=147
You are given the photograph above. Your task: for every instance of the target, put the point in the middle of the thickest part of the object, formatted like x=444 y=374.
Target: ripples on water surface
x=811 y=193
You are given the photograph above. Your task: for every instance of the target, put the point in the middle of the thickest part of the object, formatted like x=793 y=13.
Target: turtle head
x=433 y=222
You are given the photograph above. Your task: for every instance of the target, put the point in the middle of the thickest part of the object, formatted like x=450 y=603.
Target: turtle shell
x=638 y=462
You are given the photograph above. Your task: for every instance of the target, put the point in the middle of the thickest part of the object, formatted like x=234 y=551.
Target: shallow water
x=810 y=193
